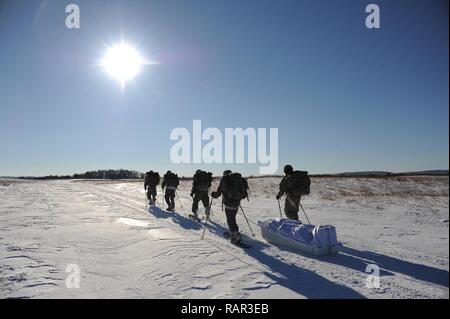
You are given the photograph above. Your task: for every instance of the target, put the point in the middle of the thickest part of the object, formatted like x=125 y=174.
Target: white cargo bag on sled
x=324 y=235
x=316 y=240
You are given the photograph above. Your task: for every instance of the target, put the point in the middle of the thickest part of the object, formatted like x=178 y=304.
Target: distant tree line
x=98 y=174
x=130 y=174
x=387 y=174
x=110 y=174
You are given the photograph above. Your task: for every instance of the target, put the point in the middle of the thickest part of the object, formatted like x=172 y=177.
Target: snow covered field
x=125 y=251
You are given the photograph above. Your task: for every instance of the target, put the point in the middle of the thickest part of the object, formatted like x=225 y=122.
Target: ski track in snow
x=124 y=250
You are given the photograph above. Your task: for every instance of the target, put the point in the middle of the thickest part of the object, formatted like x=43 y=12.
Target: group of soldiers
x=232 y=187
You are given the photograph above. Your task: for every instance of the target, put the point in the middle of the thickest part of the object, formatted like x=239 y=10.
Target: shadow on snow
x=302 y=281
x=353 y=258
x=310 y=284
x=177 y=218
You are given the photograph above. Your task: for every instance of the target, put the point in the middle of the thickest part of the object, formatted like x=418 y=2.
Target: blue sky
x=344 y=98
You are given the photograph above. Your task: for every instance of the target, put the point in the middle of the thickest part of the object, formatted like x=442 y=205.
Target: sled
x=310 y=247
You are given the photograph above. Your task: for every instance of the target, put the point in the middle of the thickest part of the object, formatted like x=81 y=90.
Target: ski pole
x=179 y=201
x=279 y=208
x=207 y=218
x=146 y=201
x=161 y=200
x=304 y=213
x=253 y=234
x=210 y=205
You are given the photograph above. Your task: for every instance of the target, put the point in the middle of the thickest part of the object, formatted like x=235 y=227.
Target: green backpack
x=234 y=186
x=298 y=183
x=203 y=180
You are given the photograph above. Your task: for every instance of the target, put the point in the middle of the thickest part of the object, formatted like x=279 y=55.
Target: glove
x=214 y=195
x=279 y=196
x=192 y=194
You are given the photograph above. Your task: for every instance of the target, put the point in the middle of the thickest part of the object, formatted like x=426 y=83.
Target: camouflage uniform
x=150 y=183
x=170 y=183
x=292 y=202
x=200 y=193
x=231 y=209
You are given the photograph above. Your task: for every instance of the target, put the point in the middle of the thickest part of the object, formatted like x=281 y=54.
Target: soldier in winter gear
x=150 y=182
x=170 y=184
x=294 y=184
x=200 y=188
x=233 y=188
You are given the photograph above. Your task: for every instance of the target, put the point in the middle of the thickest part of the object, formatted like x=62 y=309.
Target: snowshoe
x=194 y=217
x=236 y=240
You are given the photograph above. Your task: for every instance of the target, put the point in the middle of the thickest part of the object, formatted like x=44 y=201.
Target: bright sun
x=122 y=62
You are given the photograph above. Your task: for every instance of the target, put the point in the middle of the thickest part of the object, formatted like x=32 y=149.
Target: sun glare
x=122 y=62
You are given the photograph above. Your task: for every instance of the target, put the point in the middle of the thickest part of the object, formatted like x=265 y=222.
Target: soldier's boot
x=235 y=237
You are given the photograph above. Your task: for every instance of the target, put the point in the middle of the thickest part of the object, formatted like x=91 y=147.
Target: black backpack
x=152 y=178
x=298 y=183
x=234 y=186
x=172 y=180
x=203 y=180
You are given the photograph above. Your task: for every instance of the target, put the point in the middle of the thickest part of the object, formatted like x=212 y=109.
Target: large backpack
x=172 y=180
x=203 y=180
x=152 y=178
x=234 y=186
x=298 y=183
